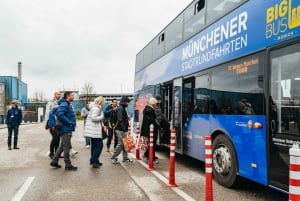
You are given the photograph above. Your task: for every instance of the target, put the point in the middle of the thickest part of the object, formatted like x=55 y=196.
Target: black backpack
x=113 y=119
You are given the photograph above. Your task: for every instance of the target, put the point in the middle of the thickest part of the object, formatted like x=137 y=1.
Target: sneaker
x=87 y=146
x=127 y=160
x=9 y=148
x=114 y=161
x=15 y=147
x=71 y=168
x=56 y=165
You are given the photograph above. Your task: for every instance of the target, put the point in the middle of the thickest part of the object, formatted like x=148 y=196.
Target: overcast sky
x=66 y=43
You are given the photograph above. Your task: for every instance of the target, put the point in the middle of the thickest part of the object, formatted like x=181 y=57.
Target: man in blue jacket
x=65 y=124
x=13 y=121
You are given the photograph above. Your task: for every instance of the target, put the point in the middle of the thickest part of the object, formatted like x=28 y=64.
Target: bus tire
x=224 y=161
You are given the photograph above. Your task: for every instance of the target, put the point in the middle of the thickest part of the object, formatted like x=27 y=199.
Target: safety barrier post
x=294 y=181
x=137 y=135
x=172 y=159
x=208 y=169
x=151 y=149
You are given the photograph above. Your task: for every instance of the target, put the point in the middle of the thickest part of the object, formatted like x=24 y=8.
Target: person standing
x=163 y=130
x=111 y=128
x=55 y=137
x=13 y=121
x=93 y=130
x=84 y=114
x=67 y=123
x=121 y=130
x=149 y=117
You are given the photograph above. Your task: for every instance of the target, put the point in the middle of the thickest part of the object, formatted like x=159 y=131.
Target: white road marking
x=166 y=181
x=21 y=192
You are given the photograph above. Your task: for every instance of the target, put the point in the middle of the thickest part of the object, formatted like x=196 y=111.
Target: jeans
x=87 y=141
x=120 y=147
x=64 y=146
x=54 y=142
x=110 y=135
x=11 y=129
x=96 y=149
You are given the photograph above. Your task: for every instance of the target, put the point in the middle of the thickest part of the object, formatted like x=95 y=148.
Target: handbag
x=128 y=143
x=143 y=143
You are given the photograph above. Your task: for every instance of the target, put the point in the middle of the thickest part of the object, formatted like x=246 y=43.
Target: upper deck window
x=217 y=8
x=194 y=18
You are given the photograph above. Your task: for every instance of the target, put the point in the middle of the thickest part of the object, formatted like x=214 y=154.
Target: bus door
x=166 y=92
x=177 y=113
x=188 y=98
x=166 y=108
x=284 y=111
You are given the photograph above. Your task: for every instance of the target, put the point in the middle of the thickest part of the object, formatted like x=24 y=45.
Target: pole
x=208 y=169
x=151 y=149
x=172 y=159
x=294 y=181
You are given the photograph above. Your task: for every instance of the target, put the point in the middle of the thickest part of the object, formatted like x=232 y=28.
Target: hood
x=61 y=101
x=124 y=100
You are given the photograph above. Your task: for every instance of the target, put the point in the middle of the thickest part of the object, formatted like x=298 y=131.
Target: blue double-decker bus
x=229 y=69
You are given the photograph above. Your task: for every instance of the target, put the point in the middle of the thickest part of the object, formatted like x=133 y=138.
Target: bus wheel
x=224 y=161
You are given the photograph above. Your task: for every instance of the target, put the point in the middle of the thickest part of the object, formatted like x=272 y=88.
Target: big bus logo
x=281 y=19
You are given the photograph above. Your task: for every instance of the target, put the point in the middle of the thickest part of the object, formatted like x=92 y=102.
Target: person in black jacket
x=111 y=128
x=149 y=117
x=13 y=121
x=121 y=130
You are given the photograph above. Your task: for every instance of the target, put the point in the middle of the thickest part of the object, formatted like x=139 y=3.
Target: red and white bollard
x=208 y=169
x=172 y=159
x=294 y=181
x=151 y=149
x=137 y=135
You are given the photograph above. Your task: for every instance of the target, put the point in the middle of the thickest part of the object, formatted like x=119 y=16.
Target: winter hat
x=125 y=99
x=158 y=97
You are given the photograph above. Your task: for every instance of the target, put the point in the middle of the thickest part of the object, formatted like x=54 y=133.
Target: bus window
x=217 y=8
x=236 y=87
x=193 y=21
x=173 y=34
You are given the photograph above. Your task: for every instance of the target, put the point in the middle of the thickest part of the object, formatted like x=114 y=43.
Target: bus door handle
x=273 y=126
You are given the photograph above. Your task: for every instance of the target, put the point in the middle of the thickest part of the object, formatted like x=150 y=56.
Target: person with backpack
x=121 y=130
x=93 y=130
x=13 y=121
x=66 y=119
x=111 y=122
x=51 y=105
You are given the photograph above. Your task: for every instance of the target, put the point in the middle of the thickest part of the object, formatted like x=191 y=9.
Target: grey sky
x=66 y=43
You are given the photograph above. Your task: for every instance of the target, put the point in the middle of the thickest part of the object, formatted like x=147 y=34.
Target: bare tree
x=38 y=96
x=87 y=90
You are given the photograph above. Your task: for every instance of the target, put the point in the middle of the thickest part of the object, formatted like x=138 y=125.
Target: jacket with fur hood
x=93 y=126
